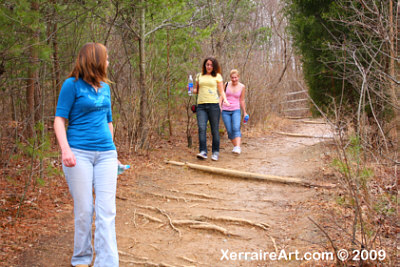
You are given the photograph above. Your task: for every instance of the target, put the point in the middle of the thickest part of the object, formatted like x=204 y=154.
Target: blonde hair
x=234 y=71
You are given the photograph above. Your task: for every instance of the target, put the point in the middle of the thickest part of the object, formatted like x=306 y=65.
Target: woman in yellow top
x=209 y=88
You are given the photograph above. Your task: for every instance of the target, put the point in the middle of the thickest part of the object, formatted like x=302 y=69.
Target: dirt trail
x=150 y=206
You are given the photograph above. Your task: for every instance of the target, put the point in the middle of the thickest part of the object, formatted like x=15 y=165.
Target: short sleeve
x=197 y=77
x=109 y=112
x=109 y=116
x=66 y=98
x=219 y=78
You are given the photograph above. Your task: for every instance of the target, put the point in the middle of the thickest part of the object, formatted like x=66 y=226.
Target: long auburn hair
x=91 y=64
x=216 y=67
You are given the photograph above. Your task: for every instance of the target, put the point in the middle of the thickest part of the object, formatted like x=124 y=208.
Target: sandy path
x=150 y=205
x=186 y=194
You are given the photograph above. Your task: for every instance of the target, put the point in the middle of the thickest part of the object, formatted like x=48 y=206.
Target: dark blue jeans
x=208 y=112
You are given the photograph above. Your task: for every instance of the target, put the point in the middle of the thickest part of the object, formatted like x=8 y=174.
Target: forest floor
x=175 y=216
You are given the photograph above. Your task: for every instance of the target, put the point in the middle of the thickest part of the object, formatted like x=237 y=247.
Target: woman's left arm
x=111 y=127
x=222 y=94
x=242 y=100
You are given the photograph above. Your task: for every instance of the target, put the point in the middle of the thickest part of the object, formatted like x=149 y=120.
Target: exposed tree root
x=235 y=220
x=198 y=183
x=165 y=196
x=244 y=210
x=202 y=195
x=190 y=260
x=194 y=194
x=185 y=222
x=171 y=190
x=213 y=227
x=274 y=243
x=134 y=218
x=151 y=218
x=161 y=196
x=163 y=212
x=156 y=248
x=199 y=223
x=170 y=221
x=144 y=207
x=121 y=198
x=144 y=261
x=204 y=225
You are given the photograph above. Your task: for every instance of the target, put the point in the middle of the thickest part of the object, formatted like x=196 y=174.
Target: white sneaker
x=214 y=156
x=236 y=150
x=202 y=155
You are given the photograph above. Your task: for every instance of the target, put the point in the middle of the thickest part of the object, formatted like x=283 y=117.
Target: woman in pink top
x=235 y=92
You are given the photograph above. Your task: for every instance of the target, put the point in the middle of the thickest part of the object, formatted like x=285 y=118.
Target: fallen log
x=295 y=117
x=303 y=135
x=313 y=122
x=249 y=175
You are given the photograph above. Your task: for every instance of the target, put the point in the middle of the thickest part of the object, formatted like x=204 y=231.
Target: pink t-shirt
x=233 y=98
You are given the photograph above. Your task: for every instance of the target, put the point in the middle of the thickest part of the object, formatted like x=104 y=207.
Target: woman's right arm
x=68 y=158
x=242 y=101
x=196 y=88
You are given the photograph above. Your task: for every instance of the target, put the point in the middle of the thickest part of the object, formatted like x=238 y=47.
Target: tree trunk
x=143 y=120
x=30 y=98
x=35 y=61
x=56 y=63
x=32 y=78
x=37 y=92
x=168 y=74
x=393 y=87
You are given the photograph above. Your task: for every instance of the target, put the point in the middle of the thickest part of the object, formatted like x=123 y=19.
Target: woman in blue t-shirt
x=89 y=156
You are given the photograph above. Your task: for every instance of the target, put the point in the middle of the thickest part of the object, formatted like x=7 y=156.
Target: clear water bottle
x=190 y=85
x=122 y=168
x=245 y=119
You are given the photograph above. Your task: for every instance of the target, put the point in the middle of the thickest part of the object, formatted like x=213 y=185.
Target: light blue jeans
x=232 y=123
x=98 y=170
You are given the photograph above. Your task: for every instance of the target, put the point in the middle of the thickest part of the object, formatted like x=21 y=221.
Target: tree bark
x=393 y=88
x=30 y=98
x=56 y=63
x=143 y=123
x=32 y=78
x=168 y=74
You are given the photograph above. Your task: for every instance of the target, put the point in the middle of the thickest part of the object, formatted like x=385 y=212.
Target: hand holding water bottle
x=245 y=118
x=190 y=85
x=122 y=167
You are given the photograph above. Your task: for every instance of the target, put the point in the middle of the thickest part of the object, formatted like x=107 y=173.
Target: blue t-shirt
x=88 y=113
